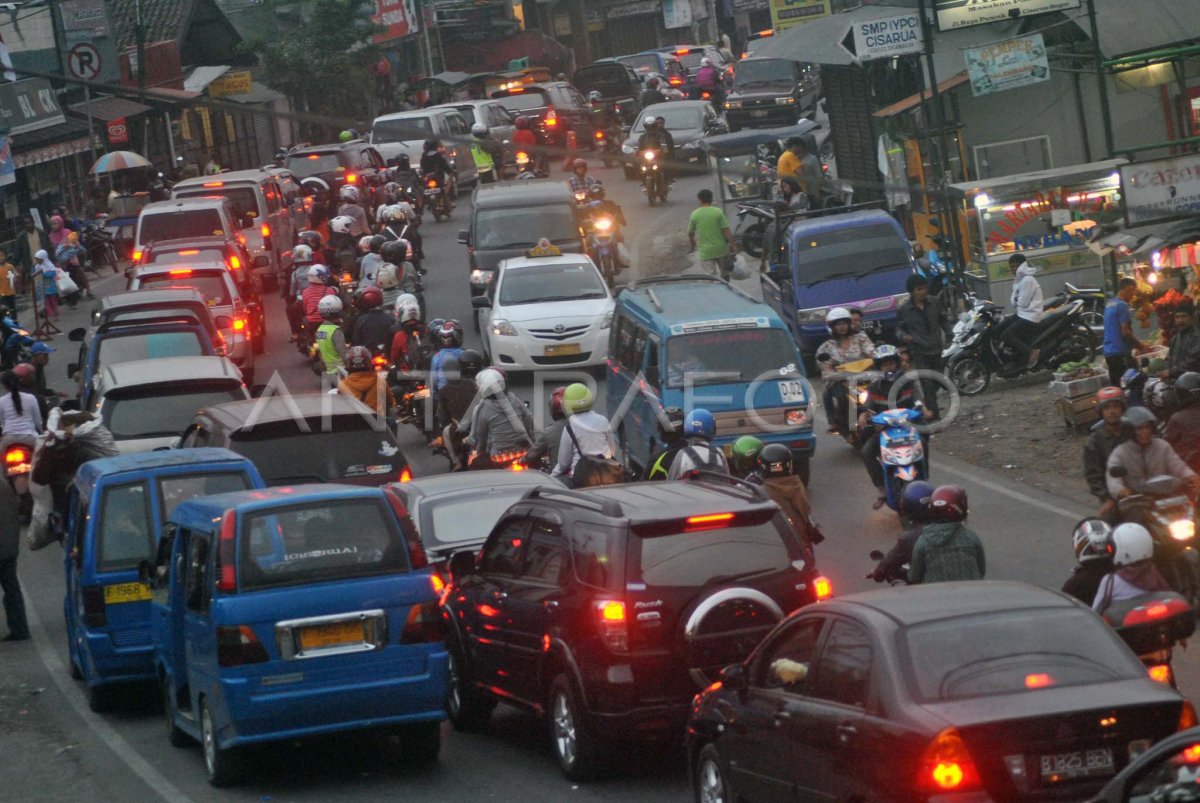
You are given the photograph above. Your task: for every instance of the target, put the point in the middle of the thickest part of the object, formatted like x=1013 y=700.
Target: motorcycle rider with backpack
x=947 y=550
x=698 y=454
x=914 y=506
x=1133 y=572
x=788 y=491
x=373 y=327
x=586 y=433
x=1092 y=542
x=411 y=345
x=364 y=383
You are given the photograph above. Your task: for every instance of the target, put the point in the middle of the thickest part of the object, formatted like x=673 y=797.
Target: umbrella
x=118 y=160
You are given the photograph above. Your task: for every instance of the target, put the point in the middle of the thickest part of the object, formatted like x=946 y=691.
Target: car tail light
x=1190 y=755
x=424 y=624
x=379 y=362
x=1187 y=717
x=599 y=135
x=683 y=51
x=214 y=184
x=227 y=555
x=178 y=272
x=239 y=324
x=551 y=118
x=1038 y=680
x=437 y=583
x=266 y=235
x=431 y=184
x=405 y=475
x=1159 y=673
x=18 y=459
x=137 y=255
x=237 y=646
x=947 y=766
x=416 y=552
x=614 y=631
x=190 y=252
x=675 y=80
x=235 y=263
x=93 y=607
x=708 y=521
x=1151 y=612
x=822 y=588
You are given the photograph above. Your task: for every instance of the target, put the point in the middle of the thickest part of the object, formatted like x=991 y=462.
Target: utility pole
x=1101 y=84
x=140 y=33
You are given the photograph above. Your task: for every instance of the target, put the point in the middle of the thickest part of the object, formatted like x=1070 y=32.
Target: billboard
x=1162 y=189
x=399 y=17
x=1007 y=65
x=786 y=13
x=953 y=14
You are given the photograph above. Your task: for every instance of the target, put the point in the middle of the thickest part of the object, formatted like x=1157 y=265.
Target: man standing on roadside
x=10 y=542
x=1119 y=341
x=921 y=326
x=29 y=242
x=709 y=233
x=798 y=162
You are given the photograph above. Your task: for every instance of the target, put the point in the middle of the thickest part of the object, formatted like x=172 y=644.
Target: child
x=8 y=290
x=49 y=283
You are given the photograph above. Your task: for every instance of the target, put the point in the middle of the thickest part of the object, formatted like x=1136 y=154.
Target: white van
x=406 y=132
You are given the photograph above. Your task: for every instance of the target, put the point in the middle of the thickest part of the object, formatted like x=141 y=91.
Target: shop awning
x=48 y=144
x=450 y=78
x=109 y=108
x=1142 y=240
x=1040 y=179
x=200 y=77
x=918 y=98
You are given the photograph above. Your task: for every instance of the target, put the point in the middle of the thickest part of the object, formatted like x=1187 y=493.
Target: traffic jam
x=480 y=443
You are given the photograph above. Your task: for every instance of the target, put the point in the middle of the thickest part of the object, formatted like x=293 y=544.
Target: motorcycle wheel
x=754 y=239
x=608 y=269
x=969 y=374
x=650 y=196
x=1093 y=319
x=1079 y=345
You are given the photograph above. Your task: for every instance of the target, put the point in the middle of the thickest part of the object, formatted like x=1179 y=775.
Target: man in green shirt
x=708 y=232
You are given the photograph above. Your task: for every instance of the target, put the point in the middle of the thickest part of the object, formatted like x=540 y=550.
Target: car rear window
x=126 y=536
x=643 y=64
x=312 y=164
x=691 y=59
x=179 y=488
x=157 y=411
x=154 y=257
x=523 y=101
x=465 y=518
x=211 y=284
x=244 y=199
x=696 y=559
x=180 y=224
x=962 y=657
x=346 y=448
x=115 y=349
x=409 y=128
x=319 y=542
x=523 y=226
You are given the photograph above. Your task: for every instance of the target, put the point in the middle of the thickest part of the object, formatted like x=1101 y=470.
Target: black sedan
x=952 y=691
x=689 y=121
x=1169 y=771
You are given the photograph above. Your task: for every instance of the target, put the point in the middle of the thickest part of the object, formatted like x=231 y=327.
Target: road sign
x=884 y=38
x=83 y=61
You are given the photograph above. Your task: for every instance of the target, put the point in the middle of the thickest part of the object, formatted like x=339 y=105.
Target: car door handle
x=845 y=733
x=781 y=718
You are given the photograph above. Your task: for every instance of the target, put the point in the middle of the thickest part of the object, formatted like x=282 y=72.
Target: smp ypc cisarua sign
x=887 y=37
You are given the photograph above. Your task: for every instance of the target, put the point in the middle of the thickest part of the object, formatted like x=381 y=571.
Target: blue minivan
x=115 y=510
x=294 y=612
x=691 y=341
x=858 y=259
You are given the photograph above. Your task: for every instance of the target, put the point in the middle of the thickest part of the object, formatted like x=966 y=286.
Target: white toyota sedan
x=546 y=312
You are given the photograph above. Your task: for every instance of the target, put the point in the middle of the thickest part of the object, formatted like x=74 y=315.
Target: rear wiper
x=729 y=578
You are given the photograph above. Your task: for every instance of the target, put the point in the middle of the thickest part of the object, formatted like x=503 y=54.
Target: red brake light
x=238 y=646
x=137 y=255
x=599 y=135
x=266 y=230
x=431 y=183
x=675 y=80
x=314 y=156
x=235 y=263
x=1191 y=755
x=190 y=252
x=437 y=584
x=613 y=630
x=708 y=521
x=1039 y=680
x=683 y=51
x=551 y=118
x=18 y=460
x=351 y=178
x=1159 y=673
x=1187 y=717
x=214 y=184
x=227 y=556
x=947 y=766
x=15 y=455
x=823 y=588
x=239 y=324
x=406 y=475
x=416 y=552
x=612 y=611
x=180 y=272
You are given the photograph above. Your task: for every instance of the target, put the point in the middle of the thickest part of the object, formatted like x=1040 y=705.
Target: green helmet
x=745 y=453
x=577 y=398
x=345 y=136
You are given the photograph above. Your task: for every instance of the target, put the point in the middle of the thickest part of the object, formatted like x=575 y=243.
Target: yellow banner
x=786 y=13
x=231 y=83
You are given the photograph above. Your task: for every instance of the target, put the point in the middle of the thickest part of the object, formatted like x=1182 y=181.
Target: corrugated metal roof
x=201 y=77
x=109 y=108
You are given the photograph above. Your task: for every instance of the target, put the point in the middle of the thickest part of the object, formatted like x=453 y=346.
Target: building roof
x=200 y=77
x=163 y=20
x=108 y=108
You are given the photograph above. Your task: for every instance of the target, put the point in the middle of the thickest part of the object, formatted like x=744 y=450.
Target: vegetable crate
x=1077 y=388
x=1076 y=401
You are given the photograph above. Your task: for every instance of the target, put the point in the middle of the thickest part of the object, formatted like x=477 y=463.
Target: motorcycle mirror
x=481 y=302
x=876 y=555
x=464 y=237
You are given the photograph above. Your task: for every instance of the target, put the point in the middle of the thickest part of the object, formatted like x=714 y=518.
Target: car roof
x=93 y=471
x=561 y=259
x=232 y=177
x=271 y=409
x=672 y=104
x=914 y=605
x=479 y=481
x=202 y=511
x=170 y=369
x=149 y=298
x=520 y=193
x=429 y=111
x=183 y=204
x=844 y=220
x=329 y=147
x=660 y=501
x=683 y=299
x=187 y=243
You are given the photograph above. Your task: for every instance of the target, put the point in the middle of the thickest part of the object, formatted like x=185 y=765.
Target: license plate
x=758 y=113
x=126 y=592
x=562 y=351
x=792 y=390
x=1059 y=767
x=334 y=634
x=872 y=326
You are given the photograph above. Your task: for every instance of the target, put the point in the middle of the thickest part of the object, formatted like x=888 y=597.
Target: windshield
x=313 y=164
x=848 y=251
x=468 y=113
x=211 y=284
x=244 y=199
x=344 y=447
x=523 y=226
x=318 y=542
x=674 y=119
x=997 y=653
x=531 y=284
x=114 y=349
x=644 y=64
x=183 y=224
x=757 y=71
x=523 y=101
x=695 y=559
x=729 y=355
x=404 y=130
x=158 y=411
x=466 y=518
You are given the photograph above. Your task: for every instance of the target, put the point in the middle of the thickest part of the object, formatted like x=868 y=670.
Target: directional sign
x=83 y=61
x=887 y=37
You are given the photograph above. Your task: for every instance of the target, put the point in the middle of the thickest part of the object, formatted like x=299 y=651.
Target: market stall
x=745 y=160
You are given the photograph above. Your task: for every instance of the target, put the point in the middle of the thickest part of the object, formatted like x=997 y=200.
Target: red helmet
x=556 y=403
x=370 y=298
x=358 y=358
x=26 y=373
x=522 y=122
x=1110 y=394
x=948 y=503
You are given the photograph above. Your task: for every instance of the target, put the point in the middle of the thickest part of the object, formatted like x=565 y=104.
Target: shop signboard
x=8 y=171
x=744 y=6
x=118 y=131
x=398 y=17
x=887 y=37
x=634 y=9
x=1161 y=190
x=29 y=105
x=1007 y=65
x=953 y=14
x=83 y=19
x=231 y=83
x=786 y=13
x=49 y=153
x=676 y=13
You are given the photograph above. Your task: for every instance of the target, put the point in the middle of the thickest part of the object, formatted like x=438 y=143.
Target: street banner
x=1161 y=190
x=888 y=37
x=399 y=17
x=786 y=13
x=953 y=14
x=231 y=83
x=1007 y=65
x=8 y=171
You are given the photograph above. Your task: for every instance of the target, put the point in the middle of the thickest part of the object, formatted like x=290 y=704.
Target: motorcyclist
x=401 y=222
x=314 y=291
x=455 y=400
x=371 y=262
x=545 y=445
x=364 y=383
x=329 y=340
x=500 y=423
x=293 y=291
x=657 y=138
x=585 y=427
x=670 y=433
x=708 y=79
x=651 y=94
x=1134 y=572
x=450 y=336
x=351 y=207
x=914 y=506
x=1142 y=457
x=1092 y=543
x=374 y=326
x=342 y=241
x=743 y=459
x=887 y=361
x=385 y=196
x=523 y=136
x=604 y=115
x=788 y=491
x=411 y=345
x=580 y=181
x=408 y=280
x=699 y=427
x=1107 y=434
x=843 y=347
x=487 y=153
x=1183 y=430
x=602 y=205
x=1184 y=352
x=435 y=165
x=313 y=240
x=947 y=550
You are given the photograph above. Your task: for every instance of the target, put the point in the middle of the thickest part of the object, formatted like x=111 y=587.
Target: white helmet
x=1131 y=543
x=834 y=315
x=490 y=382
x=301 y=254
x=329 y=306
x=1091 y=540
x=408 y=308
x=649 y=121
x=349 y=192
x=393 y=212
x=706 y=62
x=318 y=273
x=364 y=243
x=341 y=224
x=479 y=130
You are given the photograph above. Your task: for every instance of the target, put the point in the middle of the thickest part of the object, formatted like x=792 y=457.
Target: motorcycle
x=1152 y=624
x=1094 y=301
x=97 y=241
x=861 y=372
x=18 y=465
x=509 y=461
x=896 y=577
x=437 y=198
x=1154 y=393
x=1162 y=506
x=901 y=452
x=654 y=180
x=978 y=350
x=603 y=247
x=608 y=142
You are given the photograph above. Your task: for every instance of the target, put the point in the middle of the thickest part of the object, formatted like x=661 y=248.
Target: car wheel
x=175 y=736
x=709 y=782
x=467 y=709
x=574 y=746
x=223 y=766
x=99 y=698
x=421 y=744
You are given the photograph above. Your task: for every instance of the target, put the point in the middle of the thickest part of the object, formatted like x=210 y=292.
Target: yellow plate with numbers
x=562 y=351
x=126 y=592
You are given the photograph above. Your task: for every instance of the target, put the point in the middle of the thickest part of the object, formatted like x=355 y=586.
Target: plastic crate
x=1075 y=388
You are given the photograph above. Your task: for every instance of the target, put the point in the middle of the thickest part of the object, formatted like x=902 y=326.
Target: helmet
x=650 y=121
x=1091 y=540
x=364 y=243
x=522 y=122
x=1138 y=417
x=390 y=189
x=948 y=503
x=470 y=363
x=674 y=427
x=318 y=273
x=1187 y=389
x=25 y=372
x=596 y=190
x=329 y=306
x=914 y=501
x=370 y=298
x=432 y=144
x=358 y=358
x=349 y=192
x=395 y=252
x=1109 y=395
x=652 y=83
x=885 y=351
x=577 y=398
x=706 y=62
x=451 y=334
x=834 y=315
x=479 y=130
x=490 y=382
x=340 y=224
x=1132 y=544
x=310 y=238
x=700 y=423
x=434 y=326
x=578 y=164
x=376 y=243
x=775 y=460
x=556 y=404
x=407 y=307
x=745 y=452
x=594 y=96
x=345 y=136
x=301 y=254
x=661 y=120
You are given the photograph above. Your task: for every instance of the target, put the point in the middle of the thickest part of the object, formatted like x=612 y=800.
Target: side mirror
x=461 y=564
x=72 y=368
x=77 y=335
x=734 y=677
x=464 y=237
x=1118 y=471
x=481 y=302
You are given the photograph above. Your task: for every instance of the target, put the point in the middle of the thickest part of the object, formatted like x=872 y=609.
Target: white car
x=546 y=312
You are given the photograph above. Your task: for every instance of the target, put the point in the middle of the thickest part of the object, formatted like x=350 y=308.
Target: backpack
x=591 y=470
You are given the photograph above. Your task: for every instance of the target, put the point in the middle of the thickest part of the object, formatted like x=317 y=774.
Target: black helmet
x=393 y=251
x=432 y=144
x=1187 y=389
x=775 y=460
x=674 y=417
x=451 y=367
x=403 y=163
x=376 y=243
x=310 y=238
x=471 y=362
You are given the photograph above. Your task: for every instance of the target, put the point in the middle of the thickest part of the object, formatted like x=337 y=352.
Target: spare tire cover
x=724 y=627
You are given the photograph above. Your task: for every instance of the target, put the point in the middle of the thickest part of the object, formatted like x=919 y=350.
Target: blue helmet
x=914 y=501
x=700 y=423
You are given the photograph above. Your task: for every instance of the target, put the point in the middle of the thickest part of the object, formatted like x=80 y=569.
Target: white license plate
x=872 y=326
x=792 y=390
x=1057 y=767
x=758 y=113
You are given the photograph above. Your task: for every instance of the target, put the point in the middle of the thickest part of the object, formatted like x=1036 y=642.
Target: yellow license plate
x=331 y=635
x=126 y=592
x=563 y=350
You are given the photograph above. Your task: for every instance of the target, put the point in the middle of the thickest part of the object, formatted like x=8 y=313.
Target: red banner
x=118 y=131
x=399 y=17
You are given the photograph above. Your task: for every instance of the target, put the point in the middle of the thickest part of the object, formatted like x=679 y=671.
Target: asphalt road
x=56 y=749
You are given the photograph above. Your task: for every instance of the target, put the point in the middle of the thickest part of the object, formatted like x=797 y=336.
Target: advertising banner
x=953 y=14
x=399 y=17
x=1007 y=65
x=1162 y=189
x=786 y=13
